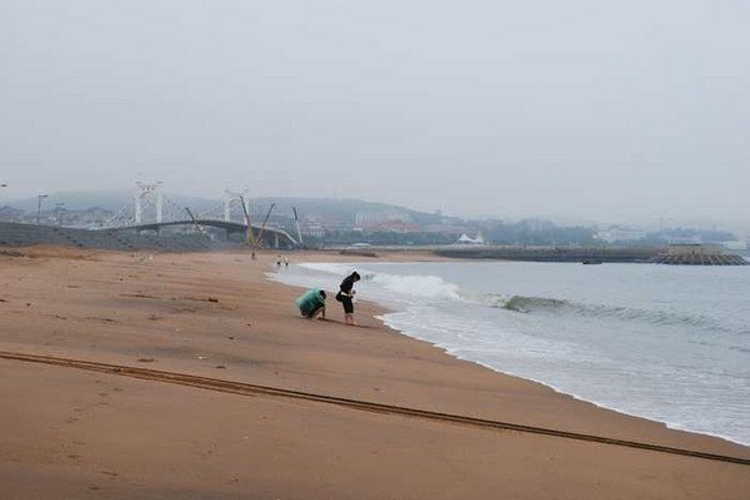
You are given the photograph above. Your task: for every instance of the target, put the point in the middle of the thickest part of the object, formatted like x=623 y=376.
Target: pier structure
x=696 y=254
x=549 y=253
x=682 y=254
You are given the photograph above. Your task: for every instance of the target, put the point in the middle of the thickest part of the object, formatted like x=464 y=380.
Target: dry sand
x=67 y=433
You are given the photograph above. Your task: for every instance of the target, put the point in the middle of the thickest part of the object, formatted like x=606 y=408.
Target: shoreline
x=79 y=435
x=382 y=312
x=603 y=406
x=562 y=392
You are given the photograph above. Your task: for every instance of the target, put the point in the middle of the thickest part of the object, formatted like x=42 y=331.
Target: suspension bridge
x=150 y=210
x=151 y=220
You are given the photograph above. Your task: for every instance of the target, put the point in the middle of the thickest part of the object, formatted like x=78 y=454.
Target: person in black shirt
x=345 y=296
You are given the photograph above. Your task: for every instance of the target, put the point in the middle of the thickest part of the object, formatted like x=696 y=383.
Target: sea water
x=669 y=343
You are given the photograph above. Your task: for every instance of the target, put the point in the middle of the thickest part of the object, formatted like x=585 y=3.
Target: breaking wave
x=435 y=288
x=543 y=305
x=431 y=287
x=422 y=286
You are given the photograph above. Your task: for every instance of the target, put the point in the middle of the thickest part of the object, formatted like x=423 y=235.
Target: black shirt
x=347 y=284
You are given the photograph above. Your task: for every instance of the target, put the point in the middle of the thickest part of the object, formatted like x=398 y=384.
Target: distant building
x=90 y=218
x=447 y=228
x=395 y=226
x=312 y=229
x=620 y=234
x=736 y=246
x=317 y=226
x=464 y=239
x=372 y=220
x=10 y=214
x=684 y=240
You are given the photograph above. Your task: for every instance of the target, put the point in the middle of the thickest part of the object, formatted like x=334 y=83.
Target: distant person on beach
x=278 y=261
x=346 y=296
x=312 y=304
x=286 y=262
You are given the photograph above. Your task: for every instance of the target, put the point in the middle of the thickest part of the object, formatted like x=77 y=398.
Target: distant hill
x=344 y=210
x=75 y=200
x=108 y=200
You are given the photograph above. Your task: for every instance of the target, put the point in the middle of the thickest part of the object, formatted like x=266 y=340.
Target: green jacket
x=310 y=301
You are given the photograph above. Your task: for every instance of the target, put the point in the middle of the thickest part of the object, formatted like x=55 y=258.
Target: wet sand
x=68 y=433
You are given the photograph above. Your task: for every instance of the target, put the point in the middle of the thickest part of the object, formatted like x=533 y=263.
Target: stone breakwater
x=593 y=255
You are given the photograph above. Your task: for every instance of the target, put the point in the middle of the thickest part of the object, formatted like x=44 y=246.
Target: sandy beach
x=66 y=432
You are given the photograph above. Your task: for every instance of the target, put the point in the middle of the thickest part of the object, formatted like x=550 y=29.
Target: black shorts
x=348 y=304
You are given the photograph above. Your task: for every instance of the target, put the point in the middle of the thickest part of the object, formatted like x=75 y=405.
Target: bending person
x=312 y=304
x=346 y=296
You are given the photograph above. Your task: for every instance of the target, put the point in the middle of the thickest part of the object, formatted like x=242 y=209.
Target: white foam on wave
x=329 y=267
x=422 y=286
x=431 y=287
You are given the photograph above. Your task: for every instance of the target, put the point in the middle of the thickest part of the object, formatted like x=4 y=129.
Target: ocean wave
x=435 y=288
x=425 y=286
x=422 y=286
x=522 y=304
x=543 y=305
x=329 y=267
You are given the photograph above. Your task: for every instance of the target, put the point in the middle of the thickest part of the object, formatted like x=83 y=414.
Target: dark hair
x=323 y=294
x=355 y=276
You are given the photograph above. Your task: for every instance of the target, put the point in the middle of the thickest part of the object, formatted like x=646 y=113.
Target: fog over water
x=599 y=110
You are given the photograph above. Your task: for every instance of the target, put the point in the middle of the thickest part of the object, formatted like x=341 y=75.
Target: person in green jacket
x=312 y=304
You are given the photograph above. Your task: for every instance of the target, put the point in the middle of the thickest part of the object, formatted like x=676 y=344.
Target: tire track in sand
x=245 y=389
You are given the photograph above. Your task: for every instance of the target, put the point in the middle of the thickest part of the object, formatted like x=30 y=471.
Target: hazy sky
x=597 y=109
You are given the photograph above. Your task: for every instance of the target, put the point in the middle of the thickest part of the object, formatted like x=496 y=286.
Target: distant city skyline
x=738 y=225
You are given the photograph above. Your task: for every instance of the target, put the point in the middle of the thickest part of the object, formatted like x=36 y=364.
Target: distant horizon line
x=738 y=223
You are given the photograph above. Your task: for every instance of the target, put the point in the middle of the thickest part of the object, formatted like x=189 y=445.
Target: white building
x=464 y=239
x=615 y=234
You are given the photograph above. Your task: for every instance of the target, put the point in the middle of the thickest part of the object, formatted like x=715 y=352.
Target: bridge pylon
x=240 y=198
x=146 y=191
